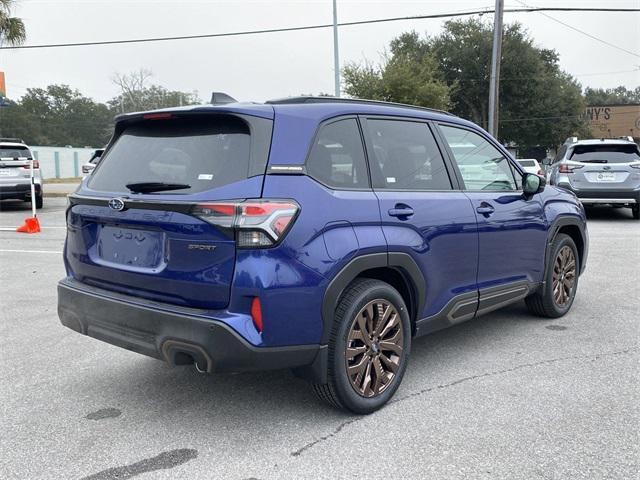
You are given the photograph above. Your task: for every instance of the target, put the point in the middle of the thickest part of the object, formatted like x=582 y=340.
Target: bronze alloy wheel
x=564 y=276
x=374 y=348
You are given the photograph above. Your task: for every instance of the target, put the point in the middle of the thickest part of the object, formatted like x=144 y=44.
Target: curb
x=56 y=194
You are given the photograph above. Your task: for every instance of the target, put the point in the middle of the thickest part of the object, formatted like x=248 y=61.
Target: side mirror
x=532 y=183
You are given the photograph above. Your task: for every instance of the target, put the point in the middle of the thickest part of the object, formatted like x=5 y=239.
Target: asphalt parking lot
x=505 y=396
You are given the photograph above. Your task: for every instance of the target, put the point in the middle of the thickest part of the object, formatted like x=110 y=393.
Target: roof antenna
x=220 y=98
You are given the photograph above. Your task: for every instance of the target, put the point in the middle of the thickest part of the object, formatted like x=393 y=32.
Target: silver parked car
x=600 y=171
x=15 y=175
x=88 y=167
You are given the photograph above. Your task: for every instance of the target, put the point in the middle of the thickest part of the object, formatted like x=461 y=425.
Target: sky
x=260 y=67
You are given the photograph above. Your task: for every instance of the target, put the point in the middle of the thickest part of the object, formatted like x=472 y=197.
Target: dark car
x=317 y=234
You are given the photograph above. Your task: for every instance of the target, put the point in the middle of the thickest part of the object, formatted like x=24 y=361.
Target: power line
x=593 y=37
x=325 y=25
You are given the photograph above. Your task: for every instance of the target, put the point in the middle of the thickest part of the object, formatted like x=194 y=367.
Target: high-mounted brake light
x=257 y=223
x=565 y=168
x=157 y=116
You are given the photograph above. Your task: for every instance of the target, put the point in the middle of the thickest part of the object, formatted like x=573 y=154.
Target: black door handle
x=401 y=210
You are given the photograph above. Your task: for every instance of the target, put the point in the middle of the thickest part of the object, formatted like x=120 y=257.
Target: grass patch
x=63 y=180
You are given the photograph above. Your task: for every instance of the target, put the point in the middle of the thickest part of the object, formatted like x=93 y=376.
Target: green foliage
x=407 y=76
x=611 y=96
x=12 y=29
x=57 y=115
x=539 y=104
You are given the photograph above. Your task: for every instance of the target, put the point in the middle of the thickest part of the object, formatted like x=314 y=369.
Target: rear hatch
x=603 y=166
x=131 y=226
x=14 y=163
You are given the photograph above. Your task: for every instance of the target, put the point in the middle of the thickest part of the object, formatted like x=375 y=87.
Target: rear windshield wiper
x=149 y=187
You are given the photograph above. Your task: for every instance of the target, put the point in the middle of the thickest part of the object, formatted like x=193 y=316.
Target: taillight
x=565 y=168
x=541 y=173
x=257 y=223
x=36 y=164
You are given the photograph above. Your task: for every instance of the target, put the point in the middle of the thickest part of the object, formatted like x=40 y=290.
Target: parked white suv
x=15 y=175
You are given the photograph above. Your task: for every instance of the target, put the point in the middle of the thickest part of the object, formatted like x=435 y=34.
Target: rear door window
x=337 y=156
x=201 y=153
x=605 y=154
x=406 y=156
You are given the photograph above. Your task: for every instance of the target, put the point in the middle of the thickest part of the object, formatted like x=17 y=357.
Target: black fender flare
x=316 y=372
x=554 y=229
x=400 y=261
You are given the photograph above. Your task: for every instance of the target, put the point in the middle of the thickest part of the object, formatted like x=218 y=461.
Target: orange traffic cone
x=31 y=225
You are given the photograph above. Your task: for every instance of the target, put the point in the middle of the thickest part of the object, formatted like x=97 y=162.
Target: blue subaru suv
x=317 y=234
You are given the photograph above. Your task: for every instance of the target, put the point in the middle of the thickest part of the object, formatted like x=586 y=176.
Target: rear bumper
x=170 y=335
x=18 y=191
x=605 y=196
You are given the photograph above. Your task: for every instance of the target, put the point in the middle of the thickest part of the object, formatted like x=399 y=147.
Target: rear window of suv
x=14 y=151
x=203 y=153
x=605 y=153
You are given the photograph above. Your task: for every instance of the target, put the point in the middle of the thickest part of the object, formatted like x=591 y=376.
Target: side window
x=337 y=157
x=561 y=153
x=405 y=156
x=483 y=167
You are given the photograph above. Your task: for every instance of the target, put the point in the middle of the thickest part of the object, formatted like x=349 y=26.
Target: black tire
x=339 y=390
x=636 y=212
x=544 y=302
x=39 y=202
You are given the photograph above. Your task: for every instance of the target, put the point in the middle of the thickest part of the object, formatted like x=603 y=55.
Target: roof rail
x=12 y=140
x=330 y=99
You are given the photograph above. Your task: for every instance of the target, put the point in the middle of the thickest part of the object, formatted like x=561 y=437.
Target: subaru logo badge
x=116 y=204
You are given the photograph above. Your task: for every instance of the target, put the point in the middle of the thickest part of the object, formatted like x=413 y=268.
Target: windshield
x=527 y=163
x=202 y=154
x=14 y=152
x=605 y=153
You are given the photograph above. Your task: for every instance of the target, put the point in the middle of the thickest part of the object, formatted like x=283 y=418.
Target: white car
x=531 y=165
x=88 y=167
x=15 y=175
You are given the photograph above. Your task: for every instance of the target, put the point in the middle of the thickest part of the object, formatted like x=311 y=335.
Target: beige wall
x=614 y=120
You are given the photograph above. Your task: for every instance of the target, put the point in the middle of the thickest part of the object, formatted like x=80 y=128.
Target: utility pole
x=494 y=88
x=336 y=60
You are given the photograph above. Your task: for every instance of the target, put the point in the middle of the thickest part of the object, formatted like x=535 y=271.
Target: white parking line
x=3 y=250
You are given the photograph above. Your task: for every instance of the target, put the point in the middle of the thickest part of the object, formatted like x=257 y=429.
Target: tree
x=612 y=96
x=539 y=104
x=137 y=94
x=12 y=30
x=58 y=115
x=408 y=75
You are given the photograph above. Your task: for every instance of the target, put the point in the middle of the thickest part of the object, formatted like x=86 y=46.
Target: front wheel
x=561 y=280
x=368 y=349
